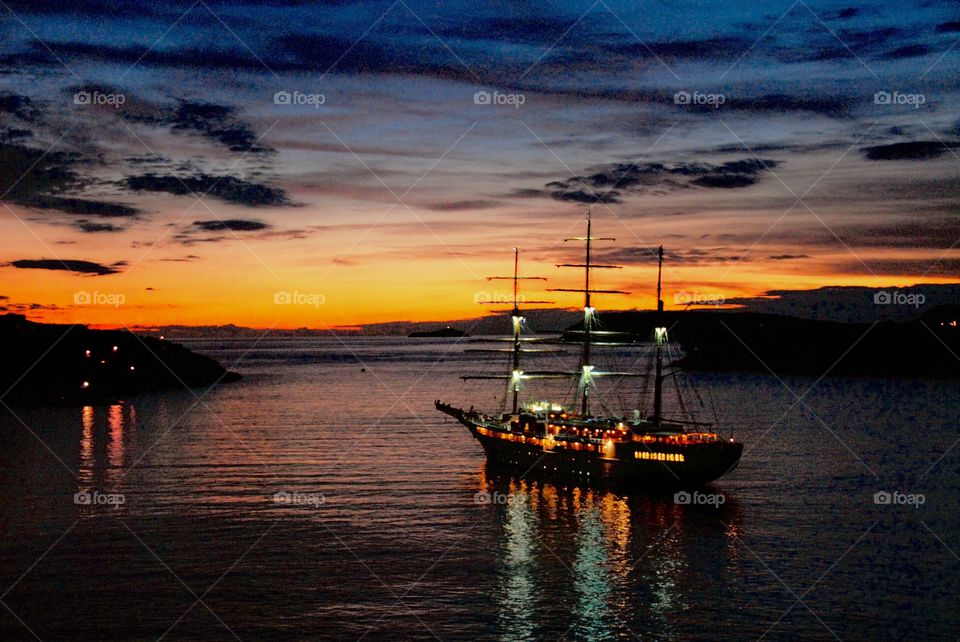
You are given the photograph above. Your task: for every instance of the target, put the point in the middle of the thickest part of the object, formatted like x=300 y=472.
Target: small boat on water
x=648 y=452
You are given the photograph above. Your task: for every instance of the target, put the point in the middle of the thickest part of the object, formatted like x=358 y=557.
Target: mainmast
x=660 y=338
x=587 y=372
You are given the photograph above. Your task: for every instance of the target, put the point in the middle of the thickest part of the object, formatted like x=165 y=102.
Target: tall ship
x=649 y=452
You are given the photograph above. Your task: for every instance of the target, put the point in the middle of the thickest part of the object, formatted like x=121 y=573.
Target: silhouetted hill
x=46 y=363
x=442 y=333
x=754 y=342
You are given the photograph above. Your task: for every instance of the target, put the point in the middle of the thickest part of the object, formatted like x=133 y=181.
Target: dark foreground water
x=388 y=525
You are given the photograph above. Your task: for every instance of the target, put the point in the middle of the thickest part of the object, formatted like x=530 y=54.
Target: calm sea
x=322 y=497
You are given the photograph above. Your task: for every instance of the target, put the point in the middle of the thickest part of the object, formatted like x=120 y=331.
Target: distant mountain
x=495 y=324
x=440 y=333
x=754 y=342
x=854 y=304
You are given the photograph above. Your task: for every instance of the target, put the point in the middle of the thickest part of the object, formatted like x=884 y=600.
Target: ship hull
x=701 y=463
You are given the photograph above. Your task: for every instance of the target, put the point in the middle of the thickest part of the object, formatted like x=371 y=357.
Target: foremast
x=518 y=323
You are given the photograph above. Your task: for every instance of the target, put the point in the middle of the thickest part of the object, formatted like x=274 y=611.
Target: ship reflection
x=517 y=586
x=582 y=563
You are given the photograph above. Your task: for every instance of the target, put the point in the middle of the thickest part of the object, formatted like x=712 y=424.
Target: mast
x=517 y=322
x=516 y=375
x=659 y=337
x=586 y=374
x=587 y=326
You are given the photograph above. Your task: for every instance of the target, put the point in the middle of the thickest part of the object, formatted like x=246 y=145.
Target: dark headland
x=755 y=342
x=63 y=364
x=442 y=333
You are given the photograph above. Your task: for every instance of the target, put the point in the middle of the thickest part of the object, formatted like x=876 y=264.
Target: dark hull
x=702 y=463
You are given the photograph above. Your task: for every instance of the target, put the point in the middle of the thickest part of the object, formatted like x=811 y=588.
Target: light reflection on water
x=590 y=579
x=399 y=546
x=614 y=553
x=517 y=603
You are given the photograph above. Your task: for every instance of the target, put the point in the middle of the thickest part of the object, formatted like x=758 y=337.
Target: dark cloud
x=931 y=267
x=841 y=14
x=91 y=227
x=725 y=48
x=459 y=206
x=524 y=192
x=907 y=51
x=541 y=30
x=28 y=307
x=68 y=265
x=835 y=106
x=864 y=41
x=926 y=231
x=130 y=108
x=215 y=122
x=26 y=171
x=34 y=178
x=81 y=206
x=912 y=150
x=23 y=107
x=291 y=52
x=693 y=256
x=200 y=231
x=218 y=123
x=849 y=43
x=608 y=183
x=235 y=225
x=14 y=135
x=725 y=180
x=318 y=52
x=192 y=57
x=788 y=257
x=225 y=188
x=948 y=27
x=81 y=8
x=561 y=192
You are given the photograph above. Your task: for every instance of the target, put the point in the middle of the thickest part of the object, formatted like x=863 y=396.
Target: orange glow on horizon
x=347 y=279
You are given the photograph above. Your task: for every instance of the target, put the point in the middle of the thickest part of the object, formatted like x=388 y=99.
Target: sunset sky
x=153 y=155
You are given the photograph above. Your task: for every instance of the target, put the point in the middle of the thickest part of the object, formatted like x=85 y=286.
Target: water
x=394 y=529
